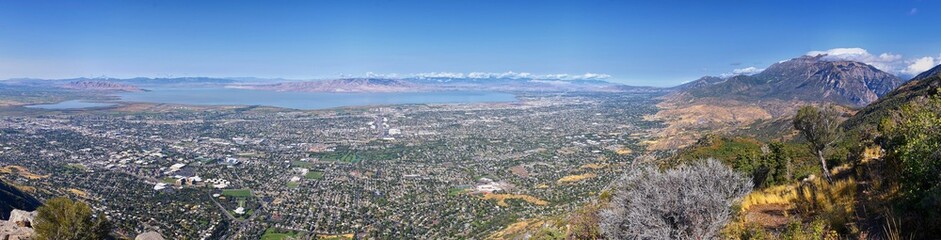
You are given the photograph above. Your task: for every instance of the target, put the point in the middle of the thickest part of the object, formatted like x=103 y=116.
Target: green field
x=168 y=180
x=272 y=234
x=301 y=164
x=292 y=184
x=456 y=191
x=347 y=157
x=317 y=175
x=77 y=167
x=237 y=192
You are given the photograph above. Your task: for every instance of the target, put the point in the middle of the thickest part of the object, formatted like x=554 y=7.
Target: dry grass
x=338 y=236
x=575 y=178
x=871 y=153
x=779 y=195
x=831 y=202
x=593 y=166
x=683 y=119
x=22 y=171
x=516 y=229
x=501 y=199
x=624 y=151
x=78 y=193
x=23 y=188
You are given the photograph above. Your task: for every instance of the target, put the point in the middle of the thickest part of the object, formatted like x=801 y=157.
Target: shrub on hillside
x=64 y=219
x=911 y=137
x=690 y=201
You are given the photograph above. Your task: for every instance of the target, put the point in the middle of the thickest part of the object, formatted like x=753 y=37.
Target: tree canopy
x=64 y=219
x=821 y=128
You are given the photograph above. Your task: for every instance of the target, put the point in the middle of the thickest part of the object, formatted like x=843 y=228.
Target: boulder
x=22 y=218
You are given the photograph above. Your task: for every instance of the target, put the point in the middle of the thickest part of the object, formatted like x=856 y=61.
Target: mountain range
x=338 y=85
x=806 y=78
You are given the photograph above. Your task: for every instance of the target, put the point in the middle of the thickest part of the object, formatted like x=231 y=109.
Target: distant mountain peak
x=935 y=71
x=806 y=78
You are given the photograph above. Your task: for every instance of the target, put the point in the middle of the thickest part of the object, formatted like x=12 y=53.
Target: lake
x=306 y=100
x=71 y=104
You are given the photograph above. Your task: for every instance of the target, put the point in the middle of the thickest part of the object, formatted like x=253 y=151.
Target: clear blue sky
x=644 y=43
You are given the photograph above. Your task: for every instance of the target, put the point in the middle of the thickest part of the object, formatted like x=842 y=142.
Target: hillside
x=12 y=198
x=925 y=84
x=712 y=104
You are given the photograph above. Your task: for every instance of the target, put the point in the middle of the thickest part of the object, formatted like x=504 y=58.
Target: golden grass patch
x=501 y=199
x=781 y=194
x=518 y=228
x=575 y=178
x=338 y=236
x=594 y=166
x=624 y=151
x=22 y=171
x=78 y=192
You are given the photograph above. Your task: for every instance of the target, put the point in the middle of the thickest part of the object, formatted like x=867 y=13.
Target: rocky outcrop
x=22 y=218
x=19 y=226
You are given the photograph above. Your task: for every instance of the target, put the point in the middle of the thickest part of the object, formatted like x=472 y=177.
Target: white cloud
x=743 y=71
x=510 y=74
x=920 y=65
x=381 y=75
x=887 y=62
x=440 y=75
x=495 y=75
x=586 y=76
x=840 y=52
x=747 y=71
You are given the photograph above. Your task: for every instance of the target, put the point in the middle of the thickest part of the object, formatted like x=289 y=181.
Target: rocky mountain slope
x=806 y=78
x=713 y=104
x=924 y=84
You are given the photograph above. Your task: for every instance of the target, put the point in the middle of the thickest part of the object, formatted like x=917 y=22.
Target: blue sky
x=657 y=43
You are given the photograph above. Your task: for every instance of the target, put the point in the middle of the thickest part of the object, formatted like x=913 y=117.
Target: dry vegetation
x=687 y=120
x=593 y=166
x=501 y=199
x=22 y=171
x=338 y=236
x=78 y=193
x=575 y=178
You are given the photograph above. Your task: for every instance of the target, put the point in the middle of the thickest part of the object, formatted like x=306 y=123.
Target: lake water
x=71 y=104
x=305 y=100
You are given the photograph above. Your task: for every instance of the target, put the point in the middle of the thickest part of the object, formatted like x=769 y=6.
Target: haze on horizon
x=652 y=43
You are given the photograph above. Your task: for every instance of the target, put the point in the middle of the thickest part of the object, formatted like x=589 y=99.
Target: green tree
x=778 y=162
x=821 y=128
x=912 y=140
x=64 y=219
